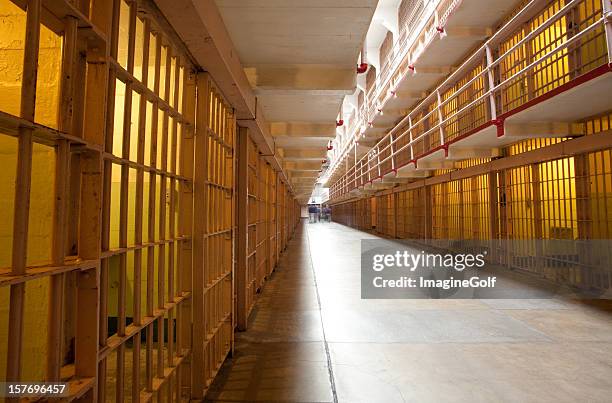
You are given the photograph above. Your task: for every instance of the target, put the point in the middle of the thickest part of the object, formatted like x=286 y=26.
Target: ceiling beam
x=303 y=179
x=302 y=165
x=303 y=129
x=303 y=174
x=302 y=154
x=303 y=77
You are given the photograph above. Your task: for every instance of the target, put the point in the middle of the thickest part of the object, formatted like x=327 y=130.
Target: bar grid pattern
x=214 y=199
x=385 y=208
x=523 y=63
x=267 y=215
x=567 y=198
x=117 y=259
x=411 y=206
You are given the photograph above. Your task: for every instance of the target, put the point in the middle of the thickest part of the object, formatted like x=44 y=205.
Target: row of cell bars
x=117 y=254
x=559 y=198
x=271 y=215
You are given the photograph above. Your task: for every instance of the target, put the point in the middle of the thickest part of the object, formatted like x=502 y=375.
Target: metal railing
x=486 y=85
x=404 y=52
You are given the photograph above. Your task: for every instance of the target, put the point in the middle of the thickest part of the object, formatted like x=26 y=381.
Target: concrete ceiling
x=299 y=57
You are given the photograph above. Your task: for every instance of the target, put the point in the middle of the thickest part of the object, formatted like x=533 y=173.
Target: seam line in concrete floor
x=330 y=368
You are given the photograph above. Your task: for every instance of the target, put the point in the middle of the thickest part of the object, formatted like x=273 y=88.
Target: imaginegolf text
x=446 y=284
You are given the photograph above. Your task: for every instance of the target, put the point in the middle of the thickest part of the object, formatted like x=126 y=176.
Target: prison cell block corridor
x=190 y=191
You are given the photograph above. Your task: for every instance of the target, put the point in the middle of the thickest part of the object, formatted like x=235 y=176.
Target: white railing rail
x=424 y=12
x=400 y=52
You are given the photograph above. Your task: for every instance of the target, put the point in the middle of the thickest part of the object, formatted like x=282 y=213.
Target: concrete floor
x=312 y=339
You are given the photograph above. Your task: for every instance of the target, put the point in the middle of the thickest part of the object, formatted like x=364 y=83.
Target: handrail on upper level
x=400 y=50
x=514 y=21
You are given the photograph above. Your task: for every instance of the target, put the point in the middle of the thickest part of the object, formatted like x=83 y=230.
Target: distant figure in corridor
x=327 y=213
x=312 y=213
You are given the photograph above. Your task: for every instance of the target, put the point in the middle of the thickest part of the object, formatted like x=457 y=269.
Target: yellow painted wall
x=114 y=262
x=39 y=252
x=39 y=247
x=12 y=41
x=48 y=78
x=12 y=34
x=8 y=155
x=117 y=150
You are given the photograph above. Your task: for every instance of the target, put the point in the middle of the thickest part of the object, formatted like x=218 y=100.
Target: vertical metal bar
x=460 y=188
x=88 y=286
x=24 y=156
x=138 y=210
x=162 y=207
x=56 y=296
x=537 y=206
x=355 y=166
x=22 y=191
x=160 y=346
x=410 y=138
x=392 y=152
x=186 y=219
x=199 y=237
x=440 y=117
x=89 y=296
x=62 y=169
x=242 y=229
x=607 y=14
x=106 y=203
x=123 y=207
x=378 y=162
x=428 y=222
x=394 y=203
x=491 y=82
